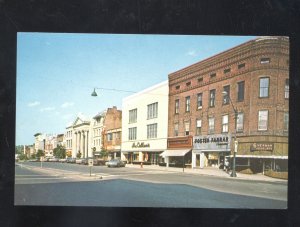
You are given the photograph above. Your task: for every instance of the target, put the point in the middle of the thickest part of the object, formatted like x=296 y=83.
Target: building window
x=241 y=65
x=152 y=131
x=199 y=101
x=176 y=129
x=227 y=95
x=287 y=88
x=176 y=106
x=187 y=128
x=264 y=60
x=213 y=75
x=240 y=122
x=187 y=104
x=109 y=137
x=177 y=87
x=212 y=96
x=152 y=110
x=132 y=115
x=286 y=122
x=263 y=120
x=132 y=133
x=225 y=123
x=188 y=84
x=198 y=127
x=211 y=125
x=264 y=87
x=241 y=88
x=227 y=70
x=200 y=79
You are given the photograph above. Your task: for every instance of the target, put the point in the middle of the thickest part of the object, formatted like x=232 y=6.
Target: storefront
x=210 y=150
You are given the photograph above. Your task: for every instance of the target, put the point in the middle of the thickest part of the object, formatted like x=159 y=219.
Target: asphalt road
x=59 y=184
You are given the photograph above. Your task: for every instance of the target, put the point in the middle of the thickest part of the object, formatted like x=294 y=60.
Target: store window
x=212 y=97
x=240 y=122
x=263 y=120
x=287 y=88
x=187 y=104
x=198 y=127
x=176 y=106
x=132 y=133
x=264 y=87
x=199 y=101
x=225 y=123
x=152 y=131
x=211 y=125
x=152 y=110
x=132 y=115
x=226 y=96
x=241 y=88
x=286 y=121
x=187 y=128
x=176 y=126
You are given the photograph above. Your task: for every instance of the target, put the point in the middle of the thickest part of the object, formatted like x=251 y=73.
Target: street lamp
x=94 y=93
x=233 y=173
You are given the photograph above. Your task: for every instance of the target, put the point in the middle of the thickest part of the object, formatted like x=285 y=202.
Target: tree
x=23 y=157
x=103 y=153
x=78 y=155
x=59 y=152
x=40 y=153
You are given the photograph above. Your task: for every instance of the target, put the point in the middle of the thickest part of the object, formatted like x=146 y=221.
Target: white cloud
x=67 y=104
x=31 y=104
x=192 y=53
x=47 y=109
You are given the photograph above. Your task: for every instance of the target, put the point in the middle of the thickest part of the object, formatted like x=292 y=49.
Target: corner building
x=253 y=79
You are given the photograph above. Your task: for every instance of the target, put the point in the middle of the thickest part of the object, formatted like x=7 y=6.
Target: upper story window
x=263 y=120
x=187 y=104
x=152 y=131
x=227 y=70
x=176 y=106
x=200 y=79
x=188 y=83
x=176 y=126
x=212 y=97
x=187 y=128
x=225 y=123
x=265 y=60
x=211 y=125
x=240 y=122
x=286 y=121
x=132 y=115
x=198 y=127
x=213 y=75
x=226 y=96
x=109 y=136
x=264 y=87
x=152 y=110
x=132 y=133
x=240 y=66
x=287 y=88
x=199 y=101
x=240 y=91
x=177 y=87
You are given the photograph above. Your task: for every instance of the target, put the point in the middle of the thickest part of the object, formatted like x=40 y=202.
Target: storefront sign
x=139 y=145
x=217 y=142
x=180 y=142
x=261 y=147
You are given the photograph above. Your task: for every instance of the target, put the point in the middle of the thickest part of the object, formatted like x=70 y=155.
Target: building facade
x=145 y=125
x=250 y=81
x=39 y=142
x=97 y=128
x=50 y=144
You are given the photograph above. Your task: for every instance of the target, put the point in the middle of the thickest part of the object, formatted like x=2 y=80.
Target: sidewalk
x=210 y=171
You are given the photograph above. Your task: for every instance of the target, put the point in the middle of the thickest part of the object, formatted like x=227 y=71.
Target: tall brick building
x=253 y=79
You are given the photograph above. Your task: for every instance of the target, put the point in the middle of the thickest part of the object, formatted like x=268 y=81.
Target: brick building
x=112 y=132
x=253 y=79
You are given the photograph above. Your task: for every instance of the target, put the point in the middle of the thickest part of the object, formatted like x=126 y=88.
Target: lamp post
x=233 y=173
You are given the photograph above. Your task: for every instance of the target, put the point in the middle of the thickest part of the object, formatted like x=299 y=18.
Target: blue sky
x=56 y=72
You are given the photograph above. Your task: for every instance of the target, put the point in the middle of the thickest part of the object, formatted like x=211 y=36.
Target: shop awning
x=171 y=153
x=260 y=156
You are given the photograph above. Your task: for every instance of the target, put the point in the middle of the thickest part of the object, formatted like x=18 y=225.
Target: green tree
x=23 y=157
x=103 y=153
x=40 y=153
x=33 y=156
x=59 y=152
x=78 y=155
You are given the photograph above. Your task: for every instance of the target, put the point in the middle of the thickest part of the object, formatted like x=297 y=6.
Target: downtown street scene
x=152 y=121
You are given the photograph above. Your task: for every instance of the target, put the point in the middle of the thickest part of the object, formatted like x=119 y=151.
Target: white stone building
x=145 y=125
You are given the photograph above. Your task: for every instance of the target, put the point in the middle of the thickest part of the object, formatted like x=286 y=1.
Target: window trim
x=214 y=102
x=152 y=108
x=264 y=110
x=238 y=83
x=224 y=124
x=185 y=124
x=188 y=104
x=132 y=122
x=199 y=107
x=209 y=131
x=268 y=95
x=149 y=133
x=198 y=127
x=227 y=96
x=236 y=126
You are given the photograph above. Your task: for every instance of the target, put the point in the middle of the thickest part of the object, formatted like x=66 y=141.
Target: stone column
x=87 y=144
x=75 y=145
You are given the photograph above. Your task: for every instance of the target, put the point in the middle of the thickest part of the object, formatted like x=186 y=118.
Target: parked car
x=81 y=161
x=71 y=160
x=115 y=163
x=54 y=159
x=62 y=160
x=46 y=159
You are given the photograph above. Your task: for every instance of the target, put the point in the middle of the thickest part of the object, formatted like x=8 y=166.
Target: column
x=76 y=141
x=87 y=144
x=194 y=160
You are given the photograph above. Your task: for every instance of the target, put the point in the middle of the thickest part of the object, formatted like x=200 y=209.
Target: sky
x=57 y=72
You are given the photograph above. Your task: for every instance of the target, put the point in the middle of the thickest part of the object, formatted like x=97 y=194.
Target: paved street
x=71 y=185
